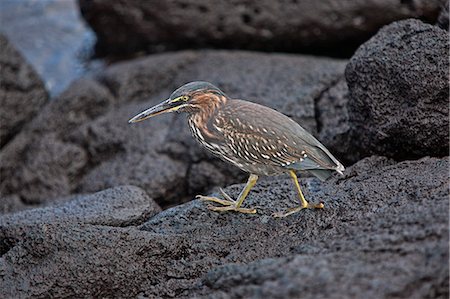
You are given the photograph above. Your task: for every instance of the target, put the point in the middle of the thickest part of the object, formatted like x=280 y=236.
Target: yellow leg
x=229 y=203
x=303 y=203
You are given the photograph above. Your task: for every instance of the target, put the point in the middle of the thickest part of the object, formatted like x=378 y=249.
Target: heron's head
x=191 y=97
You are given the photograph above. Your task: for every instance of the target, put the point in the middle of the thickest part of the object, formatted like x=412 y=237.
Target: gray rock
x=398 y=87
x=22 y=93
x=133 y=26
x=81 y=142
x=383 y=233
x=119 y=206
x=10 y=204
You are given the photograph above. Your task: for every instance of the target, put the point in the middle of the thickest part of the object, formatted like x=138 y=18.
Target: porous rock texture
x=126 y=26
x=81 y=142
x=399 y=92
x=22 y=93
x=383 y=234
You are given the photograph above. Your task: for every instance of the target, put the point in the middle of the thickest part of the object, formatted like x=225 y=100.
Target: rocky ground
x=94 y=207
x=299 y=25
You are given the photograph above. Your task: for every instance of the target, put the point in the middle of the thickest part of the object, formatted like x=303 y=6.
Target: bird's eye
x=185 y=98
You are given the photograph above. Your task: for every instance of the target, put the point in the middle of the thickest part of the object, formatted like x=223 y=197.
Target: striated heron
x=255 y=138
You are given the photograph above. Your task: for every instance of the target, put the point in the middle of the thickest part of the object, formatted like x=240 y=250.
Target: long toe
x=216 y=200
x=226 y=196
x=232 y=208
x=289 y=212
x=295 y=210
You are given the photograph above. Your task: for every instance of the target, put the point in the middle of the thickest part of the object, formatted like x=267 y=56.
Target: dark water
x=52 y=36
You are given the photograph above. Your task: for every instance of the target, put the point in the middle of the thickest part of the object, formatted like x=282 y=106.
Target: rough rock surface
x=118 y=206
x=399 y=90
x=22 y=93
x=81 y=142
x=126 y=26
x=332 y=121
x=383 y=234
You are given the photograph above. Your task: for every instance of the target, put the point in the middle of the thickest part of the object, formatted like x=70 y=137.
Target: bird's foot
x=295 y=210
x=228 y=203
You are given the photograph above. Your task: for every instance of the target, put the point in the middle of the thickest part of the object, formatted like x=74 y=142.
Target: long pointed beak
x=164 y=107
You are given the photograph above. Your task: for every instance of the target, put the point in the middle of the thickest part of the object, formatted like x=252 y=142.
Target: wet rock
x=384 y=232
x=398 y=88
x=132 y=26
x=52 y=36
x=22 y=93
x=81 y=142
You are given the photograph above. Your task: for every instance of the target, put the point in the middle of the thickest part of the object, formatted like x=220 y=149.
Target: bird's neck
x=207 y=107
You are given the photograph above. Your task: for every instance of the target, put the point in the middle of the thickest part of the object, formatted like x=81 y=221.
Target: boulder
x=383 y=233
x=22 y=93
x=125 y=27
x=81 y=142
x=119 y=206
x=398 y=92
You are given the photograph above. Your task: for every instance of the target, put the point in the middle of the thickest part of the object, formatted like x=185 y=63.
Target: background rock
x=443 y=20
x=383 y=233
x=132 y=26
x=398 y=86
x=22 y=94
x=82 y=142
x=333 y=125
x=52 y=36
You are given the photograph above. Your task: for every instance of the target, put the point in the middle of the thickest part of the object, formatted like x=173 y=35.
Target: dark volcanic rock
x=383 y=234
x=126 y=26
x=119 y=206
x=399 y=91
x=22 y=93
x=443 y=18
x=332 y=121
x=81 y=142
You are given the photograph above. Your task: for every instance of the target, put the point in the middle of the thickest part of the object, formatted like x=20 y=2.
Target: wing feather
x=277 y=139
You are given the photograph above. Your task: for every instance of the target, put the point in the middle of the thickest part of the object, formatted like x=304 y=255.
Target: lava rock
x=22 y=93
x=119 y=206
x=383 y=233
x=398 y=89
x=443 y=18
x=332 y=119
x=125 y=27
x=81 y=141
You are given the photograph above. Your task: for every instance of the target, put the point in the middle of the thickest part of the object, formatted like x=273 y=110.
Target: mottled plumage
x=255 y=138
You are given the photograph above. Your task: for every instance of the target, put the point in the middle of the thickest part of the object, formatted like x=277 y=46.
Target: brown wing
x=257 y=133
